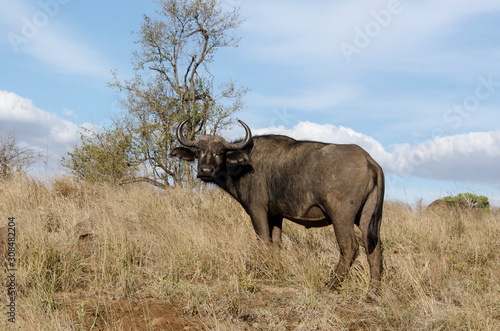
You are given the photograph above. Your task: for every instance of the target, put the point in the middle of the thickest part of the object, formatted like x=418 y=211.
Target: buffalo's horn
x=180 y=136
x=248 y=138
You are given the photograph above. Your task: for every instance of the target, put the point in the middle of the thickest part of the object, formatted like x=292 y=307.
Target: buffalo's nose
x=205 y=171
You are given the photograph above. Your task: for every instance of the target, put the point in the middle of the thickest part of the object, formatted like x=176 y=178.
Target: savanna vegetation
x=171 y=81
x=97 y=256
x=94 y=255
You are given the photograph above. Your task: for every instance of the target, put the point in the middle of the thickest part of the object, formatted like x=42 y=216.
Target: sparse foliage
x=14 y=158
x=172 y=81
x=103 y=156
x=473 y=200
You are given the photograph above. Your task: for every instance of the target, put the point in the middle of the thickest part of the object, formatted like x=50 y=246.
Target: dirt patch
x=127 y=314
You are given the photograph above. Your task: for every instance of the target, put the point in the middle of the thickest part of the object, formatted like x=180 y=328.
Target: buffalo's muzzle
x=205 y=171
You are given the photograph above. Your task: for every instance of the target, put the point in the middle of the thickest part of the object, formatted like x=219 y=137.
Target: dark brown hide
x=311 y=183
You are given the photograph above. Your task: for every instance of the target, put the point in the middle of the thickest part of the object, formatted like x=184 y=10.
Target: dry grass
x=198 y=252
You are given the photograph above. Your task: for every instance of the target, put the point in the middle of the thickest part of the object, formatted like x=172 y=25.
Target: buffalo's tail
x=374 y=225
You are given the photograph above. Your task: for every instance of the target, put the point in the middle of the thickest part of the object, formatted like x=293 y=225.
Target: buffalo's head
x=215 y=155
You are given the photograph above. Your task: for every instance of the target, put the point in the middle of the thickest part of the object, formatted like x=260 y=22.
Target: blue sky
x=415 y=83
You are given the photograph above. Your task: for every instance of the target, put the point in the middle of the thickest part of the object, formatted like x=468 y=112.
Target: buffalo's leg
x=275 y=223
x=261 y=224
x=343 y=225
x=374 y=256
x=376 y=266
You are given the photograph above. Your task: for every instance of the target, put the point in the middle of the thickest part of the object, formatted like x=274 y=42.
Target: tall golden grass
x=199 y=251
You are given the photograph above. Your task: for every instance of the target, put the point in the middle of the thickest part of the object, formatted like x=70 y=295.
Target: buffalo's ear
x=237 y=157
x=184 y=153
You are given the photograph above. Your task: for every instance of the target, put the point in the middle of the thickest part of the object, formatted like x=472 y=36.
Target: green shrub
x=478 y=201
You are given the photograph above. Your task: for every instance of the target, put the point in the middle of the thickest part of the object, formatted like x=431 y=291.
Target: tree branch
x=148 y=180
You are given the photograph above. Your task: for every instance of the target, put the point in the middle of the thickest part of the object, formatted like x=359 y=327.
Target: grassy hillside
x=100 y=257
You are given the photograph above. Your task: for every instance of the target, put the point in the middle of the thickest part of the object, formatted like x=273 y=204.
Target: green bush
x=477 y=201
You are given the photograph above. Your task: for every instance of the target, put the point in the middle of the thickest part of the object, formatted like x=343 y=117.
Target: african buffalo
x=310 y=183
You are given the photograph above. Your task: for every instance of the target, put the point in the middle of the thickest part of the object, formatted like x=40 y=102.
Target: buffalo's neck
x=232 y=191
x=230 y=185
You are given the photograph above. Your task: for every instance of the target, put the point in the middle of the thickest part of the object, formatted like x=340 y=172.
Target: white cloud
x=471 y=157
x=333 y=134
x=36 y=127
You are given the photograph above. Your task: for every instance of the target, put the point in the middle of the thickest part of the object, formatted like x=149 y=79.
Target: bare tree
x=172 y=81
x=13 y=158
